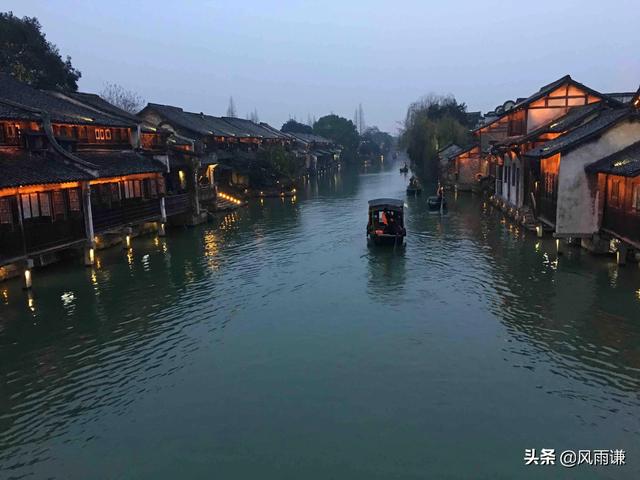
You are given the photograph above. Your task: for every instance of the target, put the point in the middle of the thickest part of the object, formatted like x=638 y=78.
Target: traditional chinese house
x=618 y=180
x=575 y=193
x=318 y=153
x=467 y=168
x=525 y=124
x=446 y=166
x=213 y=146
x=92 y=151
x=41 y=192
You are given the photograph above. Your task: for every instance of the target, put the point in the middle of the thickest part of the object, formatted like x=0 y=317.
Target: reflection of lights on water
x=262 y=201
x=130 y=257
x=156 y=241
x=537 y=246
x=5 y=296
x=31 y=302
x=67 y=298
x=145 y=262
x=638 y=293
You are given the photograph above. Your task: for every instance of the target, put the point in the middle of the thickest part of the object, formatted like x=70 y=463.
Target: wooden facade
x=621 y=211
x=526 y=125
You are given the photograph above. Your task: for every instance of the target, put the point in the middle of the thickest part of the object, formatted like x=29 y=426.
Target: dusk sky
x=300 y=58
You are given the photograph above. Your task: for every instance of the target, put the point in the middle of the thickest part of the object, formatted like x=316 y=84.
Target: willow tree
x=431 y=123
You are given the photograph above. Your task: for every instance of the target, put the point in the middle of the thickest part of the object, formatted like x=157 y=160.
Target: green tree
x=292 y=126
x=275 y=164
x=26 y=54
x=431 y=123
x=341 y=131
x=375 y=142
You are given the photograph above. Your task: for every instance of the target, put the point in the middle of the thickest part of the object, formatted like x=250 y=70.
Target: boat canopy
x=386 y=202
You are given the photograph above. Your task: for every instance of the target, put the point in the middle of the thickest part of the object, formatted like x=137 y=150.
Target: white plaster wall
x=577 y=212
x=511 y=196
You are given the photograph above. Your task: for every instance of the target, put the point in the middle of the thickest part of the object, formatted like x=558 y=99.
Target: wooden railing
x=125 y=215
x=623 y=224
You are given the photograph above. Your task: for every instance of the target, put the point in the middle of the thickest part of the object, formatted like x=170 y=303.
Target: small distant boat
x=414 y=187
x=404 y=169
x=385 y=225
x=437 y=204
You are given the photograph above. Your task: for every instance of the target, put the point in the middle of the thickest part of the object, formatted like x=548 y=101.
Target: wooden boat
x=385 y=224
x=414 y=187
x=437 y=204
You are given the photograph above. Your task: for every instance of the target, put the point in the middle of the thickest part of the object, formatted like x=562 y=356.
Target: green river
x=275 y=344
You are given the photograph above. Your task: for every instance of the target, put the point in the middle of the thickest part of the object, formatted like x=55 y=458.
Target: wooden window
x=137 y=188
x=6 y=213
x=99 y=133
x=115 y=192
x=153 y=188
x=635 y=199
x=615 y=193
x=107 y=134
x=82 y=133
x=2 y=127
x=44 y=201
x=11 y=131
x=35 y=207
x=59 y=208
x=74 y=200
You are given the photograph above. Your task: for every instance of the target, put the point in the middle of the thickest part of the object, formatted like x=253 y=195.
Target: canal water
x=275 y=344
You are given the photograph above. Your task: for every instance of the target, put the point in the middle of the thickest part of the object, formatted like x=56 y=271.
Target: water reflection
x=387 y=274
x=274 y=321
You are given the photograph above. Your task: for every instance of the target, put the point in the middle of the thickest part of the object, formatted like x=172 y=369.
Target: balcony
x=127 y=214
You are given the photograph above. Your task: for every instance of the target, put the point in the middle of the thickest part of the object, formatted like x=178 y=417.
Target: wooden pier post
x=621 y=254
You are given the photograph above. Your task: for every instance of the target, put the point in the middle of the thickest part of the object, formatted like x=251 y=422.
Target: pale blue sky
x=303 y=58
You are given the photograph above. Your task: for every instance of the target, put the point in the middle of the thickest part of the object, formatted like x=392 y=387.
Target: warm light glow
x=92 y=255
x=128 y=241
x=27 y=277
x=230 y=198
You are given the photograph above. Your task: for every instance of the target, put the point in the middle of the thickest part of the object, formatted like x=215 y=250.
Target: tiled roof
x=275 y=131
x=10 y=111
x=547 y=89
x=197 y=123
x=573 y=118
x=21 y=168
x=57 y=107
x=625 y=162
x=311 y=138
x=111 y=163
x=449 y=151
x=97 y=102
x=585 y=132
